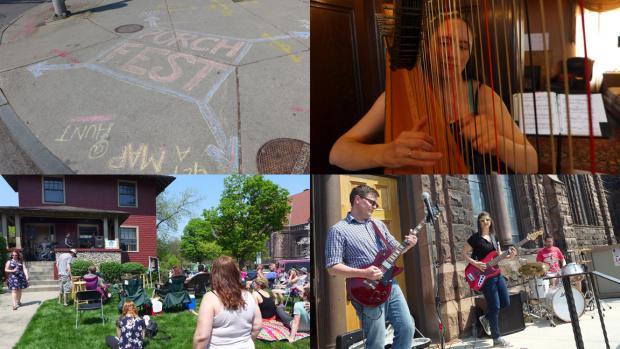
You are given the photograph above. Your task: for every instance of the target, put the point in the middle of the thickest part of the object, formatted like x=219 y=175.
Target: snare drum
x=558 y=305
x=538 y=288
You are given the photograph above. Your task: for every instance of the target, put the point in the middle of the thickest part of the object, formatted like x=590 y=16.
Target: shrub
x=132 y=268
x=111 y=271
x=80 y=267
x=3 y=255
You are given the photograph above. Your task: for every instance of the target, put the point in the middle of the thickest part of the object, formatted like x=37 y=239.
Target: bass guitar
x=477 y=278
x=373 y=293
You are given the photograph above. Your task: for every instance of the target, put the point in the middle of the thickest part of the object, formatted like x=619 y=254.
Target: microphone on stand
x=430 y=211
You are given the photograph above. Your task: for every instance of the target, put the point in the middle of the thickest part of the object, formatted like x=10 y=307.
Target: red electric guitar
x=373 y=293
x=477 y=278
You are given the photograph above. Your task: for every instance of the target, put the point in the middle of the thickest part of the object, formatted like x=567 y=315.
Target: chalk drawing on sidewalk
x=152 y=21
x=282 y=47
x=150 y=60
x=92 y=131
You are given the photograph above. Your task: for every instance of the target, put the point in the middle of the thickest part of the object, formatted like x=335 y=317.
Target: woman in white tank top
x=229 y=316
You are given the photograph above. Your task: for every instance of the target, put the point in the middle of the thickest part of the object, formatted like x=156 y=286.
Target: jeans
x=394 y=310
x=496 y=294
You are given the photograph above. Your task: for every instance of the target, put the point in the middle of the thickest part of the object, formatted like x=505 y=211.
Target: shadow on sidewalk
x=112 y=6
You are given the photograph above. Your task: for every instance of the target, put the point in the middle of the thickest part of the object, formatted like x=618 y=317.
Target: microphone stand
x=430 y=219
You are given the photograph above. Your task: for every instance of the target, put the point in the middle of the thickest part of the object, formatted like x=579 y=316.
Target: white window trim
x=64 y=190
x=78 y=233
x=137 y=237
x=118 y=192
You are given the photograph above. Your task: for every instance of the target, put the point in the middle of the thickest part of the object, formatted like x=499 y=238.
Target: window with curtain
x=511 y=204
x=129 y=239
x=602 y=33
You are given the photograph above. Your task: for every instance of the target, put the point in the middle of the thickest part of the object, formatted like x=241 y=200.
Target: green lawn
x=53 y=326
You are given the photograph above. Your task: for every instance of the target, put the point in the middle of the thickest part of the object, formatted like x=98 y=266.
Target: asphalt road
x=12 y=159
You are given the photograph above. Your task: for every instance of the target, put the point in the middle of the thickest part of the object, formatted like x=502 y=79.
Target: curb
x=42 y=158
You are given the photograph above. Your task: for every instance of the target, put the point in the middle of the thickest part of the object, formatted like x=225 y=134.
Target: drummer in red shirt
x=553 y=257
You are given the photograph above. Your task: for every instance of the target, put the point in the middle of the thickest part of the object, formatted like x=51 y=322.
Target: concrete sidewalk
x=14 y=323
x=541 y=335
x=198 y=88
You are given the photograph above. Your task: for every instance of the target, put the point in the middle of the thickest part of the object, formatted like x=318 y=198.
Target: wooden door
x=388 y=212
x=346 y=72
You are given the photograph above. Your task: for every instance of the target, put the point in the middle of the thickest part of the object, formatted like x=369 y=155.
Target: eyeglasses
x=485 y=219
x=371 y=202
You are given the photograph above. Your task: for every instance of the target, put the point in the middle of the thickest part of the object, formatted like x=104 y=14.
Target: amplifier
x=510 y=318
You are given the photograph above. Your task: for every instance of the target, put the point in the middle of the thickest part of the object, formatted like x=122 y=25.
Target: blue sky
x=209 y=187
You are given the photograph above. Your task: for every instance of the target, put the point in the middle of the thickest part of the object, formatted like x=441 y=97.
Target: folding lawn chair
x=87 y=300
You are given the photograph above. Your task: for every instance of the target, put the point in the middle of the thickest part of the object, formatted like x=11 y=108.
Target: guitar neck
x=503 y=255
x=391 y=260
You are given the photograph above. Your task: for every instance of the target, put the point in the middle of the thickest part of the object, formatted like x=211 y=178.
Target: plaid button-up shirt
x=354 y=243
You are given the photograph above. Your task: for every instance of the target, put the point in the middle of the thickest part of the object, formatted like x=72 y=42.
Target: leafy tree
x=172 y=209
x=250 y=209
x=198 y=241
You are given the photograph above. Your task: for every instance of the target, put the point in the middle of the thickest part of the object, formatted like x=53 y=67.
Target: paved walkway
x=199 y=88
x=540 y=335
x=14 y=323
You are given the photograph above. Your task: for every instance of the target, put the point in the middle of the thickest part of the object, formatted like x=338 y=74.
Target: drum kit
x=546 y=301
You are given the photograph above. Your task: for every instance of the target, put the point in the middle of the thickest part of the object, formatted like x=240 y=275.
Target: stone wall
x=99 y=257
x=284 y=243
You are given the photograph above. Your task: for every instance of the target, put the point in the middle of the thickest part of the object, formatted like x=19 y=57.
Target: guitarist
x=478 y=246
x=352 y=244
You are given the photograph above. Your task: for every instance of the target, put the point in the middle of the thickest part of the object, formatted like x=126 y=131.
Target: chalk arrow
x=38 y=69
x=152 y=21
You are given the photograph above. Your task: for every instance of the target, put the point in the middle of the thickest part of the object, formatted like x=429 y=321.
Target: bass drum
x=558 y=305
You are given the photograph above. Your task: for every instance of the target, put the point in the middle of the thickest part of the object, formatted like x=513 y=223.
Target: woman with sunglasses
x=17 y=277
x=477 y=247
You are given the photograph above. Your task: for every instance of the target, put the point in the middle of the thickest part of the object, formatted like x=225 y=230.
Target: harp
x=420 y=87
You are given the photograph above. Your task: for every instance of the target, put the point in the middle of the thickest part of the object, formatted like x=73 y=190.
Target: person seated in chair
x=130 y=329
x=199 y=281
x=95 y=282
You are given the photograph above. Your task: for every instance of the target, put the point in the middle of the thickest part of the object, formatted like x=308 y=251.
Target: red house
x=106 y=218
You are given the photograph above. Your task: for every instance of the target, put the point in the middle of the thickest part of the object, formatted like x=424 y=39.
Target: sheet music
x=528 y=119
x=578 y=108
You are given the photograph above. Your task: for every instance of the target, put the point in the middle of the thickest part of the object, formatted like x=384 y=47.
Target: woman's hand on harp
x=480 y=131
x=411 y=148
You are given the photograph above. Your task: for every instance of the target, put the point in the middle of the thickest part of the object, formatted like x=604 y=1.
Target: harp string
x=489 y=48
x=520 y=66
x=532 y=75
x=510 y=102
x=571 y=166
x=548 y=85
x=482 y=99
x=588 y=92
x=501 y=92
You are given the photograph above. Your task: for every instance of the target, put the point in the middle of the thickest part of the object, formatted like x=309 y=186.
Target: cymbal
x=534 y=269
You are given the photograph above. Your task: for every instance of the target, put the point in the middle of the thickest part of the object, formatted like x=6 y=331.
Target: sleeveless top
x=476 y=162
x=267 y=307
x=233 y=328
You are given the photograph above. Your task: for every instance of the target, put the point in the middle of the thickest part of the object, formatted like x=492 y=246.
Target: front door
x=388 y=212
x=38 y=241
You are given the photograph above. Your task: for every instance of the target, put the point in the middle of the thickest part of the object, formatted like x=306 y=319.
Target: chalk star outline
x=225 y=152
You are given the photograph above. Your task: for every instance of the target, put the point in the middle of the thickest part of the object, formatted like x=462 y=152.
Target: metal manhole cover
x=284 y=155
x=128 y=28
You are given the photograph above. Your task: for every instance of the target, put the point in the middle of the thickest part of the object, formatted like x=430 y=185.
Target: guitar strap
x=378 y=232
